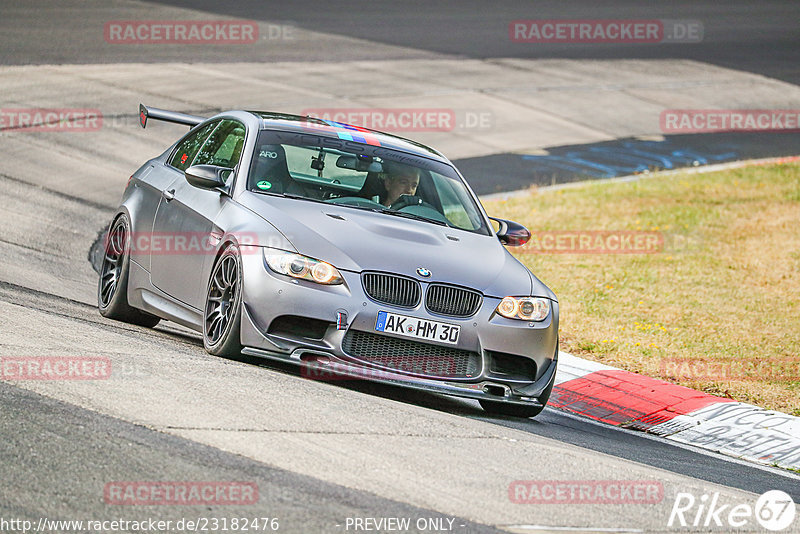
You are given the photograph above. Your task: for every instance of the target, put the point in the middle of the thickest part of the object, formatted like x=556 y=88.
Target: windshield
x=362 y=176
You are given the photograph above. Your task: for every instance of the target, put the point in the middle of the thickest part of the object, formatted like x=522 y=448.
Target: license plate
x=415 y=327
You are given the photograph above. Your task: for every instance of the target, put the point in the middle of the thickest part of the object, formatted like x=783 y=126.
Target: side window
x=188 y=148
x=224 y=146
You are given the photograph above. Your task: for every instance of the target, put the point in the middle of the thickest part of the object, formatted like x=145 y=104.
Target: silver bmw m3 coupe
x=351 y=252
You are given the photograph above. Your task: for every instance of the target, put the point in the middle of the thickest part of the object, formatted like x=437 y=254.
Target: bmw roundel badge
x=423 y=272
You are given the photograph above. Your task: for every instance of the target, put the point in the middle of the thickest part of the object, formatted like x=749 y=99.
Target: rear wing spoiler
x=167 y=116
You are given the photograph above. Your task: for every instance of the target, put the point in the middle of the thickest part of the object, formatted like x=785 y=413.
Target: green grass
x=724 y=290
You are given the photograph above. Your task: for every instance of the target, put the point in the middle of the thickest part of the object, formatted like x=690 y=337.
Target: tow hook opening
x=491 y=389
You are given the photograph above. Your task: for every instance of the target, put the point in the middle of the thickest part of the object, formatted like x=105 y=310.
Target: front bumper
x=267 y=296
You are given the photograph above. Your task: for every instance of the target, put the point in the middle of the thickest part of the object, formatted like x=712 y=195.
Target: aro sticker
x=264 y=185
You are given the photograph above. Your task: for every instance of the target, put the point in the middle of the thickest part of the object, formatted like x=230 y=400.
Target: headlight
x=524 y=308
x=302 y=267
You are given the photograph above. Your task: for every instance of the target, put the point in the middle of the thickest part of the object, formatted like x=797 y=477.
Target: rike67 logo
x=774 y=510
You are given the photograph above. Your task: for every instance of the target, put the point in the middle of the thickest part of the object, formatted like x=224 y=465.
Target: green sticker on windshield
x=263 y=184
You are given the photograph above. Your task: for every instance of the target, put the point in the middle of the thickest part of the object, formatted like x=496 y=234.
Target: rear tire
x=112 y=287
x=222 y=317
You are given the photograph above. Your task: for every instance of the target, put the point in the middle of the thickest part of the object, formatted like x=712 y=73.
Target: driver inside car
x=400 y=180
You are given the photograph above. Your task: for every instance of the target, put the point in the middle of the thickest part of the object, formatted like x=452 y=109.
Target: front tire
x=112 y=287
x=222 y=317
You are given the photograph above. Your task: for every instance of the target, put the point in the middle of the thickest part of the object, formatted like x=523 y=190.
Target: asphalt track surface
x=761 y=38
x=319 y=452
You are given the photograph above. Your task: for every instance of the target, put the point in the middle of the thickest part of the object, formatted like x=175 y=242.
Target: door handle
x=168 y=195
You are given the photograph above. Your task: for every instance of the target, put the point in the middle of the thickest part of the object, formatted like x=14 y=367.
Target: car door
x=184 y=221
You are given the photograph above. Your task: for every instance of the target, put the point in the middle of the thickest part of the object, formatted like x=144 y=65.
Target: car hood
x=358 y=240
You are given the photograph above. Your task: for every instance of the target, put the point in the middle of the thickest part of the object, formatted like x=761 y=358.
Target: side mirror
x=207 y=176
x=511 y=233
